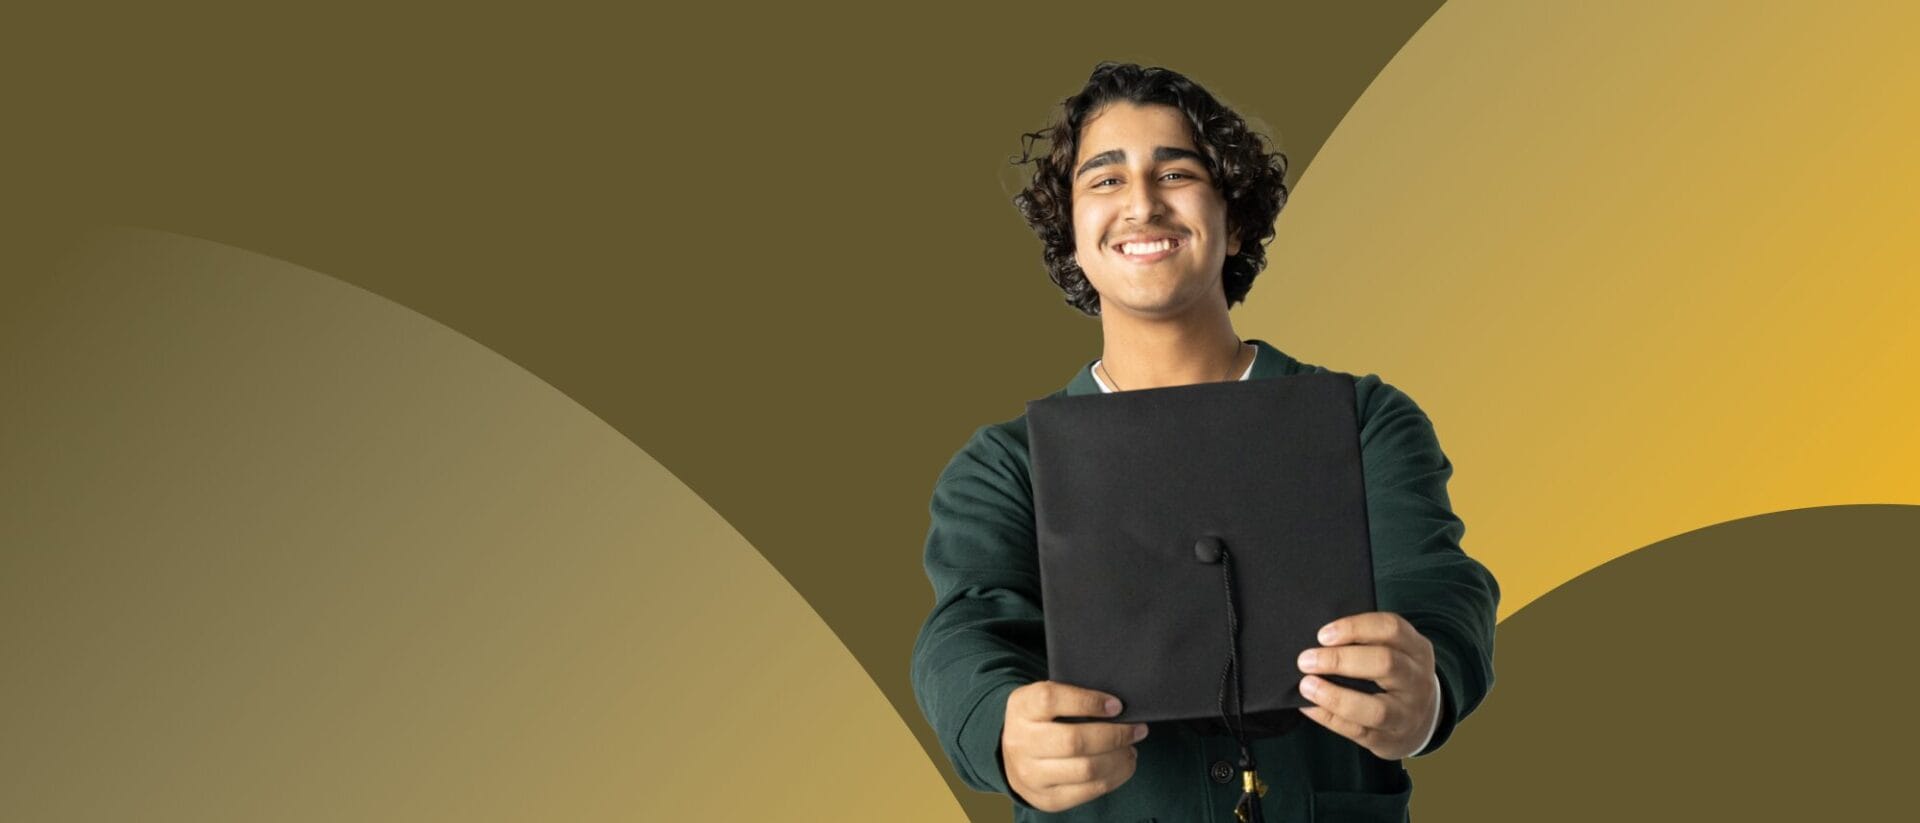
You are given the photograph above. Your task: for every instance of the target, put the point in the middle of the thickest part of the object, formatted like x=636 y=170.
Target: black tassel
x=1212 y=550
x=1248 y=809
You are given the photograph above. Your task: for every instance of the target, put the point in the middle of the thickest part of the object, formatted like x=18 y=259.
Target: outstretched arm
x=985 y=636
x=1437 y=605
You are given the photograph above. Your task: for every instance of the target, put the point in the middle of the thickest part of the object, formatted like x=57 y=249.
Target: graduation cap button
x=1207 y=550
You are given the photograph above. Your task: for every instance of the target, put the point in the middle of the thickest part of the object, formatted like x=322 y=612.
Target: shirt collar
x=1271 y=362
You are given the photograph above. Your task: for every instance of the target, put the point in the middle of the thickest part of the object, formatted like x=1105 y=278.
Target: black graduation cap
x=1174 y=521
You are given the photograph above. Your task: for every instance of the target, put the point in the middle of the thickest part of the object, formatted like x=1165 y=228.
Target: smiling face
x=1149 y=227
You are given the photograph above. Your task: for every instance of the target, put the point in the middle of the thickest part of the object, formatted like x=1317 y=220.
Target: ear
x=1233 y=239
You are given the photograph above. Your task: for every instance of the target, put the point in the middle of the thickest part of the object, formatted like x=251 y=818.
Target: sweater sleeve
x=1420 y=571
x=985 y=636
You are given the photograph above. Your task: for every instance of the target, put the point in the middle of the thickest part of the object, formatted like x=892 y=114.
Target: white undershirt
x=1433 y=725
x=1095 y=369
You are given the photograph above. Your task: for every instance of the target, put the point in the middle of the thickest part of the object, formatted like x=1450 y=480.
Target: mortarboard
x=1173 y=522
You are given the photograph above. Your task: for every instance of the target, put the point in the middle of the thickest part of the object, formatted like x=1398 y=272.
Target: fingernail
x=1309 y=685
x=1309 y=659
x=1113 y=705
x=1327 y=635
x=1139 y=732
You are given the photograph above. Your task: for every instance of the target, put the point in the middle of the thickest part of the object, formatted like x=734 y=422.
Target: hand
x=1056 y=766
x=1384 y=648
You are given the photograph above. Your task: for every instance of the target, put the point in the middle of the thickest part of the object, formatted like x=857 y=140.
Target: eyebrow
x=1161 y=154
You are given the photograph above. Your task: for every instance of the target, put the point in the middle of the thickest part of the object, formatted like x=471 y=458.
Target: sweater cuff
x=979 y=741
x=1445 y=670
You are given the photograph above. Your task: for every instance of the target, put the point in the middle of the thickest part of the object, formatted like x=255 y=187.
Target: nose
x=1144 y=203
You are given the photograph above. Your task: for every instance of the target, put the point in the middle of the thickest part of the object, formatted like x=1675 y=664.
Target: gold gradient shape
x=278 y=549
x=1647 y=266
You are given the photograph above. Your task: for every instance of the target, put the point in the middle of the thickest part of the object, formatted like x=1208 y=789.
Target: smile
x=1149 y=252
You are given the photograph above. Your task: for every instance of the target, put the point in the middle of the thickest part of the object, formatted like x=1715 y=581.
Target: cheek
x=1086 y=235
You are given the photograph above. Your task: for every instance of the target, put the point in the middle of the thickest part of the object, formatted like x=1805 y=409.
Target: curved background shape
x=1647 y=266
x=1752 y=670
x=278 y=549
x=773 y=247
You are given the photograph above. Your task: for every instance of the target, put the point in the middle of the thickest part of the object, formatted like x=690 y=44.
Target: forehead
x=1134 y=128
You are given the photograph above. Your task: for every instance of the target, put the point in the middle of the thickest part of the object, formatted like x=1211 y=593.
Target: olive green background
x=1748 y=670
x=768 y=257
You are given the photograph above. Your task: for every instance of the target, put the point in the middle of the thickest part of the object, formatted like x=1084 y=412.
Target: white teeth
x=1146 y=248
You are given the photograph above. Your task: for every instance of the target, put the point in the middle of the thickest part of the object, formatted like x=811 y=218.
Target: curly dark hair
x=1247 y=174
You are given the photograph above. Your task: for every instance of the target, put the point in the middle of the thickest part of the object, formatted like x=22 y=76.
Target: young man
x=1154 y=203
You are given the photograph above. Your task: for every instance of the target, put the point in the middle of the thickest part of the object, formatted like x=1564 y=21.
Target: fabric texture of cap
x=1169 y=518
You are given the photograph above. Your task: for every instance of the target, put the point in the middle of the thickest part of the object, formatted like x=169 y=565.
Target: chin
x=1147 y=308
x=1155 y=303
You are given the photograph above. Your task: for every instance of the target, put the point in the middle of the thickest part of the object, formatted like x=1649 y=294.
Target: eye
x=1099 y=183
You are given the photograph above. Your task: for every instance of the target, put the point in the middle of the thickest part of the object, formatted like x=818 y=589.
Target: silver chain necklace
x=1238 y=345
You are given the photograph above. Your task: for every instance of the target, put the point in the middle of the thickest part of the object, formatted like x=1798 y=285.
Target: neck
x=1147 y=355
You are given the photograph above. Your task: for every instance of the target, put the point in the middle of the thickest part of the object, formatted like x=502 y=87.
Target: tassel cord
x=1231 y=676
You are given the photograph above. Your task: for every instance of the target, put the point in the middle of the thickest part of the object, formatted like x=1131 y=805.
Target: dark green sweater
x=985 y=635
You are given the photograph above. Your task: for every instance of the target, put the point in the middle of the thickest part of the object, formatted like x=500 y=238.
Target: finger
x=1067 y=796
x=1392 y=668
x=1339 y=725
x=1098 y=774
x=1368 y=627
x=1088 y=739
x=1047 y=699
x=1361 y=709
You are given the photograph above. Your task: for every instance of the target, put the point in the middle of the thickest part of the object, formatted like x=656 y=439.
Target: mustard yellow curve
x=277 y=548
x=1648 y=266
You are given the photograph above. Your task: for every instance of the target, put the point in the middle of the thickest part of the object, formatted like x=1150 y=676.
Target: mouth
x=1148 y=251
